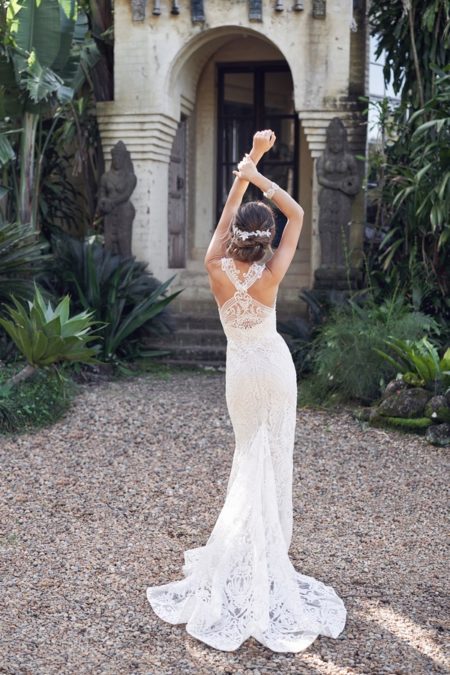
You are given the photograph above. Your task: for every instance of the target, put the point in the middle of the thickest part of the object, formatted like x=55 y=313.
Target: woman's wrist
x=255 y=155
x=261 y=182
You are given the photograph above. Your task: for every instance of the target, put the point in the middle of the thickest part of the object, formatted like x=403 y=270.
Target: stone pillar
x=149 y=139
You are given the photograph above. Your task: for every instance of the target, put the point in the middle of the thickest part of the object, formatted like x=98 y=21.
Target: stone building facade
x=193 y=81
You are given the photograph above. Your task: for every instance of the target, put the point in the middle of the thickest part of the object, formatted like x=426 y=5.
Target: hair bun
x=251 y=231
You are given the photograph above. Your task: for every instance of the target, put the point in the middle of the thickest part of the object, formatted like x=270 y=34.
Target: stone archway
x=187 y=65
x=159 y=63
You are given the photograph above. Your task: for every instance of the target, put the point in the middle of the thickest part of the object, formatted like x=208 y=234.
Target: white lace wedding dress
x=242 y=582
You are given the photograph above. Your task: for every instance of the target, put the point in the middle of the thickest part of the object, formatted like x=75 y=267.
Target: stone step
x=189 y=363
x=191 y=352
x=197 y=340
x=208 y=322
x=198 y=336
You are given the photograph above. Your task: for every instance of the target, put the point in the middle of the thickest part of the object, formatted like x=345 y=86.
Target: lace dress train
x=241 y=583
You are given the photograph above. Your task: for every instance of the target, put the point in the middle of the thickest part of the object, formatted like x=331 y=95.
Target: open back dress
x=241 y=583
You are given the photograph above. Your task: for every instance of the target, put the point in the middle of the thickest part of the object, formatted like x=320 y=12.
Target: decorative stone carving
x=299 y=6
x=116 y=187
x=138 y=10
x=319 y=9
x=255 y=10
x=338 y=174
x=197 y=11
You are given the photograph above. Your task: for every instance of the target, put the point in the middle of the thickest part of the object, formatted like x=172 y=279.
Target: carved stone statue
x=337 y=173
x=116 y=187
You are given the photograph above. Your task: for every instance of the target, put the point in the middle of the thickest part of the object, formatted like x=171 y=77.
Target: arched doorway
x=256 y=95
x=229 y=83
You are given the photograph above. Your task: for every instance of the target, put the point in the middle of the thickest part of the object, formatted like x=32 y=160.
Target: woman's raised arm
x=282 y=258
x=262 y=142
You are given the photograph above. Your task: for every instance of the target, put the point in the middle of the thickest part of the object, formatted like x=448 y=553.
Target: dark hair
x=251 y=216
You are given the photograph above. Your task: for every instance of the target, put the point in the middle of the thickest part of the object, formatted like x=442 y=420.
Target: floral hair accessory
x=242 y=234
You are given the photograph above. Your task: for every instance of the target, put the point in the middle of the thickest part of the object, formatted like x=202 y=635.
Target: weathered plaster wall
x=164 y=66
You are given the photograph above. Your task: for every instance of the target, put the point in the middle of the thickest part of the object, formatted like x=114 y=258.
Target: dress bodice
x=245 y=319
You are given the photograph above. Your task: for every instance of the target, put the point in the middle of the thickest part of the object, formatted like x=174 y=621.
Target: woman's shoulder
x=214 y=264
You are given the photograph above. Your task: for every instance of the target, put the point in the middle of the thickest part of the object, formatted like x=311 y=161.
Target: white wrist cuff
x=268 y=194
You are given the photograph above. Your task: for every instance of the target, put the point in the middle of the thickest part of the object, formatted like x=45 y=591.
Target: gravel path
x=104 y=503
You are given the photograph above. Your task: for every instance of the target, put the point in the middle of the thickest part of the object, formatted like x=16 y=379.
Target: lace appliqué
x=242 y=310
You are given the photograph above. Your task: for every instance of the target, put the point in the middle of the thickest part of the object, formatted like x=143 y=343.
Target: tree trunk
x=26 y=187
x=414 y=54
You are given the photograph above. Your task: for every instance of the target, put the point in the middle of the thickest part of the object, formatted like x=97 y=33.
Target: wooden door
x=177 y=198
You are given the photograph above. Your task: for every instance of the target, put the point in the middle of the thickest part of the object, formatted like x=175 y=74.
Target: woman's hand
x=263 y=141
x=246 y=169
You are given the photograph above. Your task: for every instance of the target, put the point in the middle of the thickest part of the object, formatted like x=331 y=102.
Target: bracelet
x=268 y=194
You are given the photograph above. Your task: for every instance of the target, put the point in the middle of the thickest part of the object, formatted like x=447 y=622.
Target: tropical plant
x=413 y=208
x=45 y=335
x=346 y=365
x=101 y=24
x=123 y=295
x=22 y=255
x=412 y=195
x=41 y=67
x=415 y=36
x=302 y=331
x=419 y=362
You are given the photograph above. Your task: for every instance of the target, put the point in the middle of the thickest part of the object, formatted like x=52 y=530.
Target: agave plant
x=419 y=362
x=46 y=335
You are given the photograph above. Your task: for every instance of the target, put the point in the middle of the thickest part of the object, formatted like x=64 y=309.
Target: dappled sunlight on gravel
x=104 y=503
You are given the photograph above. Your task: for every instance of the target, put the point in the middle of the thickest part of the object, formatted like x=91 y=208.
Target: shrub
x=21 y=256
x=33 y=403
x=301 y=332
x=123 y=295
x=346 y=365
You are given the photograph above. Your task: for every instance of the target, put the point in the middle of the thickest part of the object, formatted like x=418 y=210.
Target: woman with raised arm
x=241 y=583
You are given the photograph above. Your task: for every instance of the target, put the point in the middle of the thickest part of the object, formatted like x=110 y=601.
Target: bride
x=241 y=583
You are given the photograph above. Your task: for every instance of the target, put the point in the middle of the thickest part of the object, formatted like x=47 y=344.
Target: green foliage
x=33 y=403
x=414 y=36
x=346 y=365
x=72 y=153
x=21 y=256
x=412 y=196
x=123 y=295
x=301 y=332
x=419 y=362
x=8 y=418
x=44 y=58
x=8 y=350
x=413 y=206
x=45 y=335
